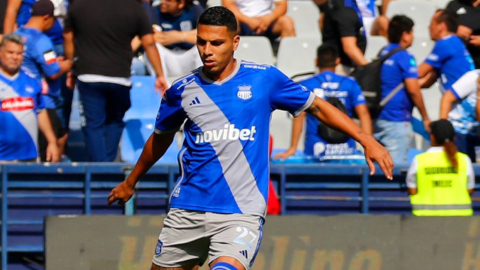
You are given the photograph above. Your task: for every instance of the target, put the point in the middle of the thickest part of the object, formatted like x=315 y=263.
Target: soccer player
x=217 y=207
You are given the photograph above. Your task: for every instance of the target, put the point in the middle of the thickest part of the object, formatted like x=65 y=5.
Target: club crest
x=244 y=92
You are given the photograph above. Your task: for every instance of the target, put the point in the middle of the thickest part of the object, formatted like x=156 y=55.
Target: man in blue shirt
x=41 y=60
x=218 y=205
x=20 y=103
x=175 y=24
x=448 y=61
x=393 y=127
x=325 y=85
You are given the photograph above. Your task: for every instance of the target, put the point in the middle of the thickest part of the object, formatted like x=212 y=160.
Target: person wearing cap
x=441 y=180
x=41 y=60
x=458 y=106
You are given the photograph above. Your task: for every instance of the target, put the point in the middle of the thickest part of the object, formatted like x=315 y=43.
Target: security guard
x=441 y=180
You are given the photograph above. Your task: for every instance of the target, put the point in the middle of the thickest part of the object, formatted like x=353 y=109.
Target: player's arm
x=424 y=69
x=334 y=118
x=297 y=127
x=253 y=23
x=365 y=118
x=11 y=13
x=45 y=126
x=154 y=149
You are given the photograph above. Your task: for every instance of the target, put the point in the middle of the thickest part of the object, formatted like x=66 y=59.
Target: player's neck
x=7 y=73
x=323 y=69
x=227 y=71
x=35 y=24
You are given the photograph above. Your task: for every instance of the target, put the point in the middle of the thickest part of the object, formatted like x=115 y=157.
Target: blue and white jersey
x=224 y=160
x=450 y=59
x=348 y=91
x=462 y=115
x=186 y=21
x=20 y=99
x=395 y=70
x=367 y=8
x=40 y=59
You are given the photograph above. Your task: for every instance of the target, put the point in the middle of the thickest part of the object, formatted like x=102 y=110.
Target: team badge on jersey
x=50 y=57
x=244 y=92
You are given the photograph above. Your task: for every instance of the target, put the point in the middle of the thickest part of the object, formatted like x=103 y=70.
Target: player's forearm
x=279 y=10
x=297 y=127
x=446 y=104
x=45 y=126
x=68 y=45
x=154 y=149
x=11 y=16
x=229 y=4
x=151 y=49
x=350 y=48
x=366 y=122
x=413 y=89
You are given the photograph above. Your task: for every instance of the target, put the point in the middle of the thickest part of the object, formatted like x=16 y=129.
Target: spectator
x=458 y=106
x=325 y=85
x=20 y=99
x=343 y=28
x=175 y=33
x=399 y=78
x=265 y=18
x=374 y=24
x=441 y=180
x=449 y=59
x=468 y=12
x=103 y=52
x=41 y=60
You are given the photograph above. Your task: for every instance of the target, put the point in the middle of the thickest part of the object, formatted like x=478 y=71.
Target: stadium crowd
x=61 y=49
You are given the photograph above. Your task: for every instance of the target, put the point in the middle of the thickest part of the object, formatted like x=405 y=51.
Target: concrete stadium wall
x=290 y=242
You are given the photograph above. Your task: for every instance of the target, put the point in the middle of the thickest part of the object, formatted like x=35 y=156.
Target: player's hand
x=285 y=155
x=53 y=153
x=253 y=24
x=426 y=124
x=121 y=193
x=375 y=152
x=161 y=85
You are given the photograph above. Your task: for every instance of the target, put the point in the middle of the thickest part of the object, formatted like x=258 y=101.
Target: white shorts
x=189 y=237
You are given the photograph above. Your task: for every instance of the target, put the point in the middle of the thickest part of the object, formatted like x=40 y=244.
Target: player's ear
x=236 y=41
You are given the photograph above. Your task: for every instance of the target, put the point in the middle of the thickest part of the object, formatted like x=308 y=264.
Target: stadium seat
x=374 y=45
x=145 y=101
x=421 y=47
x=136 y=133
x=420 y=12
x=255 y=49
x=214 y=3
x=297 y=55
x=305 y=14
x=281 y=130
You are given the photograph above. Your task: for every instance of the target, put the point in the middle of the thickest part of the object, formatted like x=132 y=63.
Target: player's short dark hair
x=399 y=24
x=327 y=55
x=450 y=19
x=219 y=16
x=12 y=37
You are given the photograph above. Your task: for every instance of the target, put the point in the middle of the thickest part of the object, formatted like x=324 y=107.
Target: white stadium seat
x=421 y=47
x=256 y=49
x=214 y=3
x=305 y=14
x=297 y=55
x=420 y=12
x=374 y=45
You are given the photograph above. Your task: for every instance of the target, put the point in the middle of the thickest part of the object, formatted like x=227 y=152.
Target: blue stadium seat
x=145 y=101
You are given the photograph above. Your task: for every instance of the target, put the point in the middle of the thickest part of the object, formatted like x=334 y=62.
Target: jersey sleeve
x=46 y=57
x=408 y=66
x=356 y=95
x=287 y=95
x=466 y=85
x=438 y=55
x=171 y=115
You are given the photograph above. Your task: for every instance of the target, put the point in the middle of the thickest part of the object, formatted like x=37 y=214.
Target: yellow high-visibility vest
x=442 y=189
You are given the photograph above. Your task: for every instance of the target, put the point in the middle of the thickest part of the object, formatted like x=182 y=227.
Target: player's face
x=408 y=38
x=11 y=57
x=216 y=46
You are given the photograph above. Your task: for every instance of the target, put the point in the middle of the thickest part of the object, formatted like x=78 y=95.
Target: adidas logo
x=244 y=253
x=195 y=101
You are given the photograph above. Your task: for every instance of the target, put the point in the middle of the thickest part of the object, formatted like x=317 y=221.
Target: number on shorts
x=244 y=232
